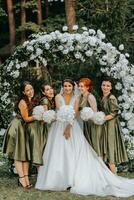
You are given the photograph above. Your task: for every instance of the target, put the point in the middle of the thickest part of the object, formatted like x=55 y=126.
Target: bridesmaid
x=114 y=148
x=16 y=144
x=37 y=130
x=92 y=131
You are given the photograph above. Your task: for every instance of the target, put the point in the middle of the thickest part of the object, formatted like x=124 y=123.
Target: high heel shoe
x=30 y=185
x=20 y=184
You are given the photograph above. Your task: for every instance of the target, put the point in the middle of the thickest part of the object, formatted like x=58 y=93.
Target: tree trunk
x=47 y=8
x=11 y=20
x=23 y=20
x=70 y=6
x=39 y=7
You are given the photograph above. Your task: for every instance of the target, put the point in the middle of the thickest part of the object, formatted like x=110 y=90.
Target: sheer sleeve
x=58 y=101
x=24 y=111
x=92 y=102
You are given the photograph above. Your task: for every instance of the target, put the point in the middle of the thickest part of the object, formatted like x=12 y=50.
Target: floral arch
x=80 y=45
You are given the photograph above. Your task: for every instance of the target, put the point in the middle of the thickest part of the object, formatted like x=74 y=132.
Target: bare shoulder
x=22 y=103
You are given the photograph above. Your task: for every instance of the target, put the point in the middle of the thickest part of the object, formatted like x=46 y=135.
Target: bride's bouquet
x=49 y=116
x=66 y=113
x=99 y=118
x=86 y=113
x=38 y=112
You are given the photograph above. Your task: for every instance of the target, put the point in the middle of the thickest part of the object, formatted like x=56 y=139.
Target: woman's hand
x=67 y=133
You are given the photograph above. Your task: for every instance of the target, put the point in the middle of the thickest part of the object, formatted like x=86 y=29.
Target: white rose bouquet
x=99 y=118
x=49 y=116
x=38 y=112
x=66 y=113
x=86 y=113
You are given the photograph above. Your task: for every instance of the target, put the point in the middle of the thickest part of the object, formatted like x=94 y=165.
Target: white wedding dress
x=73 y=163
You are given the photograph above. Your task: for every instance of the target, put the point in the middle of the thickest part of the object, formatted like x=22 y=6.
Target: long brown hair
x=30 y=104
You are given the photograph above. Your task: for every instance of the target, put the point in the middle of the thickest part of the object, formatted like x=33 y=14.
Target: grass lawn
x=9 y=190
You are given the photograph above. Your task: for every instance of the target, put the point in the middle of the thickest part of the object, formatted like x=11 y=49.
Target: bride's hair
x=87 y=82
x=69 y=81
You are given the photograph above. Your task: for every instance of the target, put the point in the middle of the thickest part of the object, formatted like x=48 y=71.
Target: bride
x=69 y=161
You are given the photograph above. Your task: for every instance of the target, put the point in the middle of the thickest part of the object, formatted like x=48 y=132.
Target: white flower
x=75 y=28
x=100 y=34
x=15 y=74
x=49 y=116
x=66 y=113
x=60 y=47
x=125 y=131
x=89 y=53
x=99 y=118
x=65 y=51
x=127 y=115
x=47 y=46
x=118 y=86
x=38 y=112
x=121 y=47
x=77 y=55
x=127 y=55
x=2 y=131
x=65 y=28
x=84 y=28
x=39 y=51
x=92 y=31
x=86 y=113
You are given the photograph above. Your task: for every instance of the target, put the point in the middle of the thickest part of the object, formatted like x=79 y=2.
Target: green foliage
x=31 y=27
x=114 y=17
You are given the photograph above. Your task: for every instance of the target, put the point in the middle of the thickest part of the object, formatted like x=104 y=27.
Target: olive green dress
x=16 y=144
x=91 y=131
x=113 y=145
x=37 y=131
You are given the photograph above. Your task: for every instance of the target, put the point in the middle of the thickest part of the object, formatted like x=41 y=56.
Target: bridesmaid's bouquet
x=38 y=112
x=49 y=116
x=99 y=118
x=66 y=113
x=86 y=113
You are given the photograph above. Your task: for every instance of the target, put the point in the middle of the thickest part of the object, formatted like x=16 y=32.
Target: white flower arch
x=80 y=46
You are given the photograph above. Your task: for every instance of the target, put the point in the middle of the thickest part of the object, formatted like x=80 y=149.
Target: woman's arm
x=113 y=105
x=92 y=102
x=24 y=112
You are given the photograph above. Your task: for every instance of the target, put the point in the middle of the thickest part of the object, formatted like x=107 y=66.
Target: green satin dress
x=113 y=145
x=15 y=143
x=92 y=132
x=37 y=131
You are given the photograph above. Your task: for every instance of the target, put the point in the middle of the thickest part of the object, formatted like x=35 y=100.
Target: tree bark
x=23 y=20
x=11 y=21
x=70 y=6
x=39 y=16
x=47 y=8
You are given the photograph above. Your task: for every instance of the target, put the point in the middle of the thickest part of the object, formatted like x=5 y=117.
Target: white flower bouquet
x=66 y=113
x=86 y=113
x=49 y=116
x=99 y=118
x=38 y=112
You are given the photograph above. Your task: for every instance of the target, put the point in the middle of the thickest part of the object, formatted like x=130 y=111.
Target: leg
x=112 y=167
x=19 y=168
x=26 y=172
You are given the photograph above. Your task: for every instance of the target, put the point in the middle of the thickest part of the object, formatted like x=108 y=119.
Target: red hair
x=87 y=83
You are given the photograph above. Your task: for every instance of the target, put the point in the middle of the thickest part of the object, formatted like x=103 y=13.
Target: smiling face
x=68 y=88
x=29 y=91
x=106 y=87
x=83 y=89
x=48 y=91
